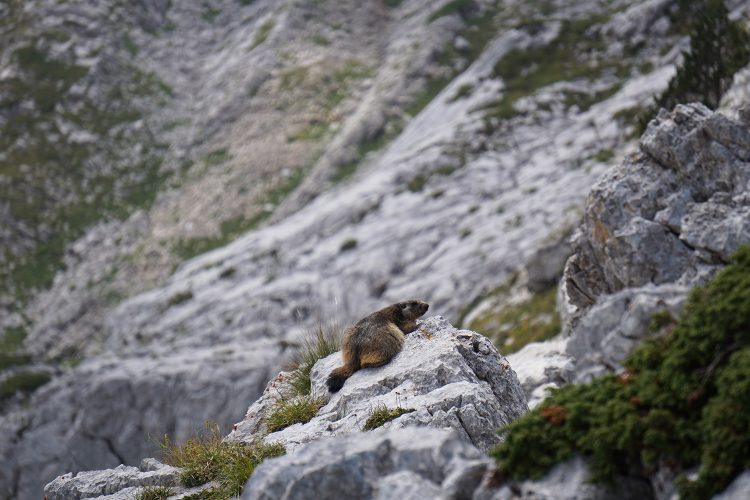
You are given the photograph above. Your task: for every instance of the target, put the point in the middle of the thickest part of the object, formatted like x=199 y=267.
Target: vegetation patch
x=682 y=401
x=263 y=32
x=206 y=457
x=513 y=326
x=41 y=118
x=298 y=410
x=719 y=48
x=180 y=297
x=382 y=414
x=154 y=493
x=349 y=244
x=26 y=382
x=464 y=8
x=572 y=55
x=319 y=343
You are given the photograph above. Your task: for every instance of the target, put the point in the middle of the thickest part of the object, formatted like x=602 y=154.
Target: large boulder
x=450 y=379
x=410 y=463
x=664 y=221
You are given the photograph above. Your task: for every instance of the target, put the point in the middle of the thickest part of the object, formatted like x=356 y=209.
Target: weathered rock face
x=410 y=463
x=673 y=213
x=448 y=377
x=114 y=411
x=664 y=221
x=105 y=482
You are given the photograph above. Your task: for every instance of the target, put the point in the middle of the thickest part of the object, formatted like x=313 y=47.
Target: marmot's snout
x=414 y=308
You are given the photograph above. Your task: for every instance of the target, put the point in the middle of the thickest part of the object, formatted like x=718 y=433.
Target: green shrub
x=298 y=410
x=464 y=8
x=382 y=414
x=682 y=400
x=320 y=342
x=718 y=49
x=205 y=457
x=154 y=493
x=26 y=382
x=180 y=297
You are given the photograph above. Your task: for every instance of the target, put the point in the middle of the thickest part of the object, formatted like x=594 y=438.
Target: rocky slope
x=456 y=379
x=456 y=201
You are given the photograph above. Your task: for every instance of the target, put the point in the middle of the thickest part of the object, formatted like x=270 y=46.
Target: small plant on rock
x=382 y=414
x=206 y=457
x=320 y=342
x=298 y=410
x=154 y=493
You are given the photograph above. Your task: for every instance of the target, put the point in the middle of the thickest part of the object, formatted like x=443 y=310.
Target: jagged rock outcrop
x=664 y=221
x=447 y=377
x=408 y=464
x=460 y=391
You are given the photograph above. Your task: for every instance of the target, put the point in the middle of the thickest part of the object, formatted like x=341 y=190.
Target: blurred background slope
x=185 y=187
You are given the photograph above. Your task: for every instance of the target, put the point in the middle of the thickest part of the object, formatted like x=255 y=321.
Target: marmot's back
x=375 y=339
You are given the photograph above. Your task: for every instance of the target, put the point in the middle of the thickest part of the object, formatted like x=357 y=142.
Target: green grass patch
x=217 y=157
x=179 y=298
x=154 y=493
x=348 y=244
x=382 y=414
x=206 y=457
x=604 y=155
x=12 y=339
x=682 y=401
x=392 y=3
x=513 y=326
x=298 y=410
x=318 y=343
x=464 y=8
x=263 y=32
x=26 y=382
x=8 y=360
x=463 y=91
x=570 y=56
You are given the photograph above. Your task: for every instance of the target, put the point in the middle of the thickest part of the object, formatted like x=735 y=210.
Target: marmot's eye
x=404 y=306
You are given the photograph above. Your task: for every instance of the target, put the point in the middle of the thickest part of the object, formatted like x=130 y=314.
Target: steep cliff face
x=332 y=157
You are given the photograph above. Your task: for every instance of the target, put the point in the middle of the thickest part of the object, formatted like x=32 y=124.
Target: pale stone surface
x=451 y=378
x=409 y=463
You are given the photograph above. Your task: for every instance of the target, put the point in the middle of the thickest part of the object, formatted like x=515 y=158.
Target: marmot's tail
x=338 y=376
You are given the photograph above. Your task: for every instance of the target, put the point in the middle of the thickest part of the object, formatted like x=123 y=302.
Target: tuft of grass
x=681 y=401
x=264 y=31
x=320 y=342
x=382 y=414
x=206 y=457
x=349 y=244
x=179 y=298
x=464 y=90
x=154 y=493
x=516 y=325
x=298 y=410
x=604 y=155
x=12 y=359
x=464 y=8
x=26 y=382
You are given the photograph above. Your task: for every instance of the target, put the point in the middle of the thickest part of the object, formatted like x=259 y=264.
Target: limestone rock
x=451 y=378
x=406 y=463
x=674 y=213
x=120 y=480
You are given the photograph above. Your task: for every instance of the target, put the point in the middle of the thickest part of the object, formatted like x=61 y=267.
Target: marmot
x=375 y=339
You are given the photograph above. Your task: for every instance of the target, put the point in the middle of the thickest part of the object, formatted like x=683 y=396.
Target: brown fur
x=375 y=339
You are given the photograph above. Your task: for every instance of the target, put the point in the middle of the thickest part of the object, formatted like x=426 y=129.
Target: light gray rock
x=118 y=482
x=612 y=328
x=541 y=366
x=569 y=480
x=410 y=463
x=738 y=490
x=112 y=411
x=671 y=215
x=451 y=378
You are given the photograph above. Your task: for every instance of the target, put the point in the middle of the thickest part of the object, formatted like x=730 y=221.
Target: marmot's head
x=412 y=309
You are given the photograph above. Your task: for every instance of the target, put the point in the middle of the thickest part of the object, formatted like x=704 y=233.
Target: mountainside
x=188 y=187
